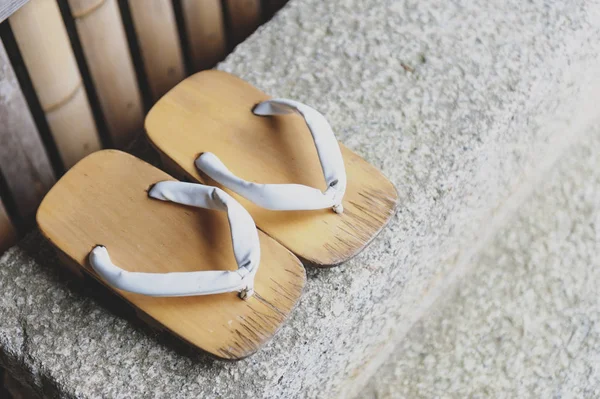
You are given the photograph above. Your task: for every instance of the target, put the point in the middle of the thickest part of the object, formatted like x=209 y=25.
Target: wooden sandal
x=180 y=269
x=217 y=129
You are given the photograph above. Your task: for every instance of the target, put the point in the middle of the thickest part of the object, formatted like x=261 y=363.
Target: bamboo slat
x=8 y=235
x=156 y=30
x=107 y=54
x=205 y=32
x=244 y=17
x=24 y=163
x=42 y=39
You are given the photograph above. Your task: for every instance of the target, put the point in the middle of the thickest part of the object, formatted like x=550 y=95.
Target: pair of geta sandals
x=171 y=241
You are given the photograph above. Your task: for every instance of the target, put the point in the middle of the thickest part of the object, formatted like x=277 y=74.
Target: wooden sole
x=211 y=111
x=103 y=200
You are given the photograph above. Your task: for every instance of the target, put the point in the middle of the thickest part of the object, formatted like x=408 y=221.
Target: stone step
x=462 y=104
x=526 y=321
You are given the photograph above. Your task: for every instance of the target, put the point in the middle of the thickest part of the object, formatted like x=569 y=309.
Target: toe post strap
x=289 y=197
x=246 y=249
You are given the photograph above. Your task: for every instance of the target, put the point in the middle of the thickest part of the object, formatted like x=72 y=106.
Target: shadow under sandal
x=217 y=129
x=173 y=263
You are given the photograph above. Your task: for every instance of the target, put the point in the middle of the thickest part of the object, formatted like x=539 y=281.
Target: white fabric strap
x=289 y=197
x=246 y=250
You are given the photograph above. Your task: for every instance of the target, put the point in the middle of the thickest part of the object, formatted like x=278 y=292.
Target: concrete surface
x=526 y=322
x=461 y=103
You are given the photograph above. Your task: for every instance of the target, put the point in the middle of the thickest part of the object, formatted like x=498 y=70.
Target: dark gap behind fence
x=136 y=55
x=183 y=39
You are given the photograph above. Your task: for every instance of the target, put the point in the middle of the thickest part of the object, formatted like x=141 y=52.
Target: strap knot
x=246 y=293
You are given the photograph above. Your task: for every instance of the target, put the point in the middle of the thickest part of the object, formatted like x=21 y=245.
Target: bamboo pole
x=8 y=234
x=205 y=32
x=107 y=54
x=42 y=39
x=24 y=163
x=156 y=30
x=244 y=17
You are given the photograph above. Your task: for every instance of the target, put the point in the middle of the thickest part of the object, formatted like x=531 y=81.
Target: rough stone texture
x=460 y=103
x=526 y=322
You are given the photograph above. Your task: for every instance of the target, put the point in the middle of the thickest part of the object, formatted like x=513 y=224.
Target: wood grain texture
x=211 y=111
x=42 y=39
x=8 y=234
x=103 y=200
x=244 y=17
x=8 y=7
x=205 y=31
x=156 y=31
x=107 y=54
x=24 y=163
